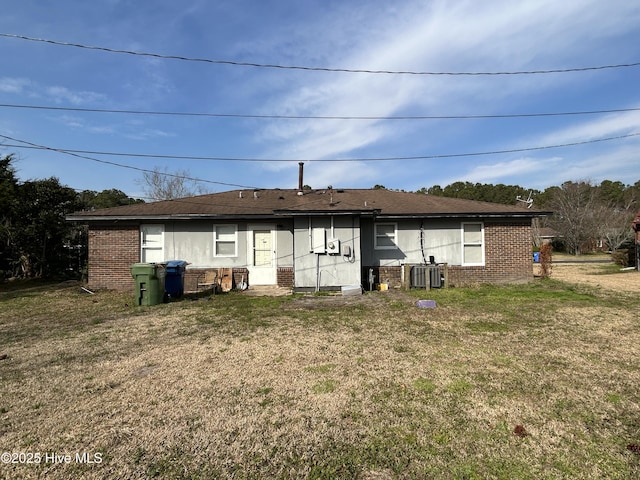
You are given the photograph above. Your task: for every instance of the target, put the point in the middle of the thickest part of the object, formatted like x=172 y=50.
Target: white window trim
x=482 y=244
x=235 y=240
x=375 y=237
x=144 y=247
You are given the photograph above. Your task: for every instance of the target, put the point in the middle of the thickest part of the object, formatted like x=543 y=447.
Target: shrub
x=621 y=257
x=545 y=260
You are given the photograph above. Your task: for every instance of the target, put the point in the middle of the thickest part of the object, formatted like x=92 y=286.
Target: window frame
x=376 y=236
x=465 y=244
x=144 y=247
x=216 y=240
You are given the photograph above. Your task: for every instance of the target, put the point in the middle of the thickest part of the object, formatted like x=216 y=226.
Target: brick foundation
x=389 y=275
x=193 y=275
x=112 y=250
x=285 y=277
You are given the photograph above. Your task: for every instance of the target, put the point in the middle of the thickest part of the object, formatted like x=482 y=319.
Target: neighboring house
x=636 y=227
x=312 y=239
x=546 y=235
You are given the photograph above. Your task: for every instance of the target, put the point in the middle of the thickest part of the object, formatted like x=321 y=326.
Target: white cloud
x=14 y=85
x=602 y=127
x=615 y=164
x=62 y=95
x=497 y=172
x=445 y=36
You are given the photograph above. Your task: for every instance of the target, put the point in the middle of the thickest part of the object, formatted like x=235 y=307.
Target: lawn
x=538 y=381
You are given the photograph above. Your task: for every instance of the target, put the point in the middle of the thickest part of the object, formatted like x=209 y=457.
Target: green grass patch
x=325 y=386
x=424 y=385
x=487 y=327
x=321 y=369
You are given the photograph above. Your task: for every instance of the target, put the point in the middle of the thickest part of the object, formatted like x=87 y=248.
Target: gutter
x=306 y=213
x=181 y=216
x=465 y=215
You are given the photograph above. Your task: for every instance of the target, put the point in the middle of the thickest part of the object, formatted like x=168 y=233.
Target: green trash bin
x=149 y=283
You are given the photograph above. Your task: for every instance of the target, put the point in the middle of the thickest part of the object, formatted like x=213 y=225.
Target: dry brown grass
x=603 y=275
x=323 y=387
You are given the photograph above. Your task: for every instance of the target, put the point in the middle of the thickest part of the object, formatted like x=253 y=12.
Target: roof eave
x=306 y=213
x=294 y=213
x=170 y=217
x=465 y=215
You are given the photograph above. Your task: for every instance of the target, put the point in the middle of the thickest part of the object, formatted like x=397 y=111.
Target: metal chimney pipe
x=300 y=175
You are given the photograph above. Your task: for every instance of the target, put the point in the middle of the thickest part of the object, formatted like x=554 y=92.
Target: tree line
x=35 y=239
x=37 y=242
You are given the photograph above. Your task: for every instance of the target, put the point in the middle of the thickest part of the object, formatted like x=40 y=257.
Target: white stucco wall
x=442 y=239
x=193 y=241
x=328 y=270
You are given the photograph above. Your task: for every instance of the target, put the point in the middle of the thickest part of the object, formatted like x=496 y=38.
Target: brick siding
x=508 y=257
x=112 y=250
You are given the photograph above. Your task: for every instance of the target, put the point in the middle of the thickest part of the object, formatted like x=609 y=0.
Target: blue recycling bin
x=536 y=257
x=174 y=278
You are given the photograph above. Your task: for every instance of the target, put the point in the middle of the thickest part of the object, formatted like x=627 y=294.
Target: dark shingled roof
x=276 y=202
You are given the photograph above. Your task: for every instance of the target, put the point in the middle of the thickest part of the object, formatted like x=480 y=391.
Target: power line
x=315 y=69
x=81 y=153
x=317 y=117
x=78 y=154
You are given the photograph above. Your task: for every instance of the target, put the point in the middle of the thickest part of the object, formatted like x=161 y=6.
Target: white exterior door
x=262 y=249
x=151 y=243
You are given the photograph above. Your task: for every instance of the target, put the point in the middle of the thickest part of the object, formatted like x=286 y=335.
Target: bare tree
x=578 y=214
x=616 y=227
x=162 y=185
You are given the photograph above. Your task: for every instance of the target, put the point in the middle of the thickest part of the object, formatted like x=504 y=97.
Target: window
x=472 y=244
x=386 y=235
x=151 y=243
x=225 y=241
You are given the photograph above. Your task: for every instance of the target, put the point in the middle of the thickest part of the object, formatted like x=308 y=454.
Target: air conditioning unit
x=333 y=246
x=420 y=274
x=434 y=276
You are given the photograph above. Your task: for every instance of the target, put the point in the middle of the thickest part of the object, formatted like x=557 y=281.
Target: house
x=312 y=239
x=636 y=227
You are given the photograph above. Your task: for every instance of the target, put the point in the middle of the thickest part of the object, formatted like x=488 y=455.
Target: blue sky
x=419 y=36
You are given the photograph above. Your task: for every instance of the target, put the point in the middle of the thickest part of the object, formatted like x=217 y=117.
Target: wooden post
x=406 y=277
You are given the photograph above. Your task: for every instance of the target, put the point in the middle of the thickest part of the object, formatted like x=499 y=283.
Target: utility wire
x=80 y=153
x=318 y=117
x=315 y=69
